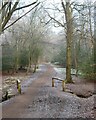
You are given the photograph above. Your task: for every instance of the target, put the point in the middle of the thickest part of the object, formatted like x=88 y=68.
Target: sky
x=81 y=1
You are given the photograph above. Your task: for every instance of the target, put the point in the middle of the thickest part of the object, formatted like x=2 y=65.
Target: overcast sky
x=81 y=1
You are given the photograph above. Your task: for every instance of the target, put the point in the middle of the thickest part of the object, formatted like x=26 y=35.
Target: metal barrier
x=63 y=83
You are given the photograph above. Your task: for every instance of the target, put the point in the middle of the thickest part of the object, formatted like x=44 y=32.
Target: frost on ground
x=9 y=82
x=41 y=100
x=51 y=103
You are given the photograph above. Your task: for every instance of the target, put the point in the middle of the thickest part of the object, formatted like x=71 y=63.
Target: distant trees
x=23 y=58
x=77 y=19
x=60 y=58
x=67 y=25
x=84 y=30
x=8 y=57
x=26 y=43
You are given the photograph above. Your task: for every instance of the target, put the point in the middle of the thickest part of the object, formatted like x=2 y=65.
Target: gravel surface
x=40 y=100
x=51 y=103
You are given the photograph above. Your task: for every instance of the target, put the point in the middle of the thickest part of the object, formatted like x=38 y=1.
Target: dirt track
x=40 y=100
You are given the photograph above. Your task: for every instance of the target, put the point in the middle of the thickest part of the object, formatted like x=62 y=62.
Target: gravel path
x=40 y=100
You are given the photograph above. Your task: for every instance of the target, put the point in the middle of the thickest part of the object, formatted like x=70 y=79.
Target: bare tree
x=69 y=34
x=68 y=26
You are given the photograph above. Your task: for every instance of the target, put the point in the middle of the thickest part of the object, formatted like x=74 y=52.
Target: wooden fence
x=59 y=79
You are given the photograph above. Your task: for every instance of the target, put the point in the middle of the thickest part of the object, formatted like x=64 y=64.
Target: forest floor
x=40 y=100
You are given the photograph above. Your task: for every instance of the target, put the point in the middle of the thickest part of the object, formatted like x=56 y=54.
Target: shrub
x=23 y=58
x=7 y=57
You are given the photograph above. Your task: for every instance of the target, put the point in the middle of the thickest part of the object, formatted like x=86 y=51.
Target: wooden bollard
x=63 y=85
x=6 y=95
x=52 y=82
x=19 y=86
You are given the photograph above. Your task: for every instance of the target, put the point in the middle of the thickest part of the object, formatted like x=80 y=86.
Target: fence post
x=6 y=95
x=52 y=82
x=63 y=85
x=19 y=86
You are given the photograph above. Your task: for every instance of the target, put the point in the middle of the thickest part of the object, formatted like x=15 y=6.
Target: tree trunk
x=69 y=35
x=17 y=57
x=35 y=67
x=29 y=66
x=76 y=59
x=94 y=46
x=90 y=25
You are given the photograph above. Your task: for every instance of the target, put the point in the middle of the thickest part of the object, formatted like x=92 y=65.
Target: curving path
x=40 y=100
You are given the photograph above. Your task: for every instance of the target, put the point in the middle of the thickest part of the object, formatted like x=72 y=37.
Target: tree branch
x=21 y=17
x=63 y=6
x=55 y=20
x=4 y=5
x=46 y=22
x=56 y=8
x=26 y=6
x=7 y=18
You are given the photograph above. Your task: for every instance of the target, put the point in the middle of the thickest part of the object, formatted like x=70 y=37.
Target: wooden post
x=63 y=85
x=19 y=86
x=6 y=95
x=52 y=82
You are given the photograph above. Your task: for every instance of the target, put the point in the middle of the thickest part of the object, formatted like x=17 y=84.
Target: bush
x=87 y=69
x=23 y=58
x=7 y=57
x=60 y=58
